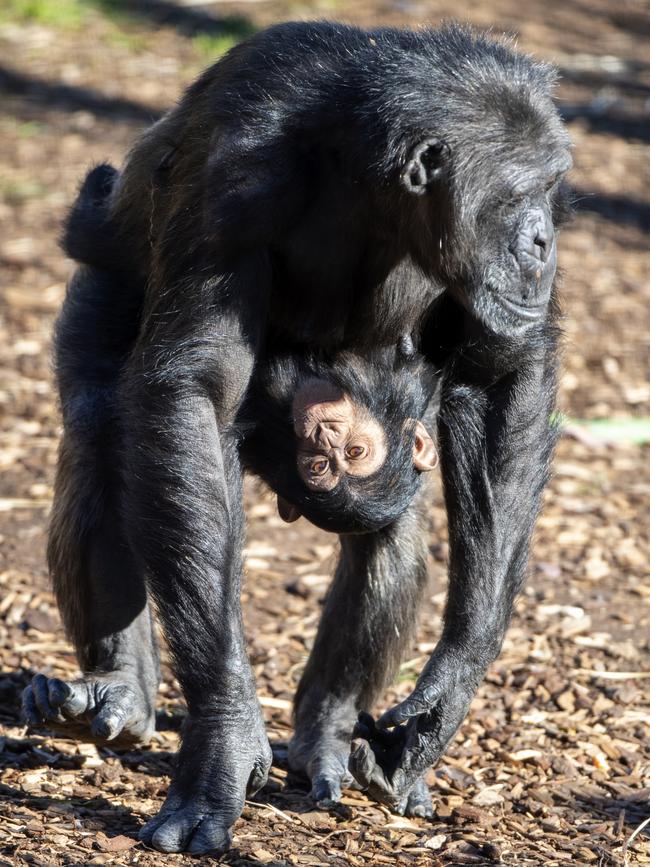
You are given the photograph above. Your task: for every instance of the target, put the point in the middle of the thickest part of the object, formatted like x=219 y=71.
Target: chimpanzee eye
x=355 y=451
x=510 y=203
x=319 y=467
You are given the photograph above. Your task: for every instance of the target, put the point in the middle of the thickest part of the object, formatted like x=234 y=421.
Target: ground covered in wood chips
x=553 y=763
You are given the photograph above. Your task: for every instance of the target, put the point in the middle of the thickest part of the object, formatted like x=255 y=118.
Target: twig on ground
x=631 y=838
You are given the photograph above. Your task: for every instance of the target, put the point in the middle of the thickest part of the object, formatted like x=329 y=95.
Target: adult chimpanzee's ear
x=425 y=456
x=287 y=510
x=427 y=162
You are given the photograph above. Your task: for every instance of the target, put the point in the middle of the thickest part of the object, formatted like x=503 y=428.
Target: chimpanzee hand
x=221 y=761
x=389 y=757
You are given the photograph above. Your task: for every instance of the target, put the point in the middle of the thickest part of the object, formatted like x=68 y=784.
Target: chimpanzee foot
x=327 y=781
x=217 y=769
x=109 y=707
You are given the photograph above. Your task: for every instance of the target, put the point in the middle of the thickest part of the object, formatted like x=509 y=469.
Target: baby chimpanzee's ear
x=287 y=511
x=425 y=456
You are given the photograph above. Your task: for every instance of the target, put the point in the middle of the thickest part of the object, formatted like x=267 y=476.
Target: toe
x=419 y=801
x=325 y=790
x=110 y=720
x=107 y=726
x=77 y=700
x=211 y=836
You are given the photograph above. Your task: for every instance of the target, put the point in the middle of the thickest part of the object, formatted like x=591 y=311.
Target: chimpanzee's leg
x=369 y=618
x=100 y=590
x=184 y=511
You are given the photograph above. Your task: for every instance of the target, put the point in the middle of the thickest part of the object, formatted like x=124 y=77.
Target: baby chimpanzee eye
x=319 y=468
x=355 y=451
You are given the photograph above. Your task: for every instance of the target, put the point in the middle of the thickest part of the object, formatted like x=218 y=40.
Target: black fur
x=320 y=199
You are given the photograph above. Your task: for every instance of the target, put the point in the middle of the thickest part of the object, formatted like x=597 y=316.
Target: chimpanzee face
x=491 y=206
x=334 y=436
x=509 y=287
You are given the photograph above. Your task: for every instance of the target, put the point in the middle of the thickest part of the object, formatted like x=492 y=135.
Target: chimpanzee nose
x=541 y=243
x=330 y=434
x=535 y=244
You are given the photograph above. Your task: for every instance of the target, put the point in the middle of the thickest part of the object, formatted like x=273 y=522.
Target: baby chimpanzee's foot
x=97 y=708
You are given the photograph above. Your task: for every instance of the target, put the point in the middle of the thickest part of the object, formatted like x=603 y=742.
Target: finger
x=40 y=689
x=173 y=834
x=31 y=713
x=259 y=776
x=77 y=699
x=59 y=692
x=395 y=716
x=211 y=836
x=415 y=705
x=186 y=829
x=366 y=729
x=147 y=831
x=367 y=720
x=362 y=763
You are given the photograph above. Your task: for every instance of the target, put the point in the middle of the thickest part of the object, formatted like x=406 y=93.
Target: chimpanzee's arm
x=185 y=514
x=496 y=439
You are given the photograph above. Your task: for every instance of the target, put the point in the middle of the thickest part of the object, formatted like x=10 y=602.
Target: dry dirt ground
x=553 y=763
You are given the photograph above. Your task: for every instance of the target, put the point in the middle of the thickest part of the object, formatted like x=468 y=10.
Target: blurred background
x=553 y=763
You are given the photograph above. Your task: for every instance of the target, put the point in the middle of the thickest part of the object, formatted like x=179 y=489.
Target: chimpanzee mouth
x=524 y=311
x=529 y=312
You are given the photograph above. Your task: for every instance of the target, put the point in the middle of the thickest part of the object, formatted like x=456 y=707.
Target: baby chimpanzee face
x=334 y=436
x=338 y=437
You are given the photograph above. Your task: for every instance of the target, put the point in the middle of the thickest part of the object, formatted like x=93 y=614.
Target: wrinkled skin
x=389 y=757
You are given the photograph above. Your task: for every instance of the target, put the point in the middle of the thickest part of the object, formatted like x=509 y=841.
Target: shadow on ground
x=34 y=94
x=187 y=20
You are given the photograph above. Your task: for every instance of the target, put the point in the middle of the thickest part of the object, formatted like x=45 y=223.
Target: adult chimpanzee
x=321 y=189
